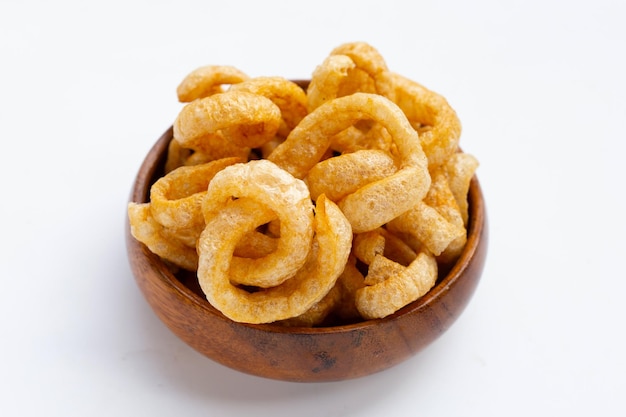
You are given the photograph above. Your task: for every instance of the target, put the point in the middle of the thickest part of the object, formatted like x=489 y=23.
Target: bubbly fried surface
x=334 y=203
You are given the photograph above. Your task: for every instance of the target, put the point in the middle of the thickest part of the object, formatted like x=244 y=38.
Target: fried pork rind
x=287 y=95
x=208 y=80
x=326 y=80
x=256 y=245
x=430 y=114
x=245 y=119
x=349 y=282
x=396 y=248
x=350 y=68
x=378 y=202
x=177 y=156
x=344 y=174
x=428 y=226
x=296 y=295
x=437 y=221
x=370 y=65
x=460 y=169
x=391 y=286
x=366 y=245
x=158 y=239
x=176 y=198
x=318 y=312
x=337 y=203
x=291 y=203
x=170 y=224
x=441 y=198
x=367 y=137
x=213 y=147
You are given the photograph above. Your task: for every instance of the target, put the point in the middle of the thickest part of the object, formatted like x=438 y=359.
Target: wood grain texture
x=304 y=354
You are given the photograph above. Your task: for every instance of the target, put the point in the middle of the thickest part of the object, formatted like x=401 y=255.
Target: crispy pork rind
x=208 y=80
x=460 y=168
x=287 y=95
x=350 y=68
x=344 y=174
x=296 y=295
x=176 y=198
x=391 y=286
x=244 y=119
x=291 y=204
x=333 y=204
x=158 y=239
x=375 y=203
x=172 y=221
x=432 y=116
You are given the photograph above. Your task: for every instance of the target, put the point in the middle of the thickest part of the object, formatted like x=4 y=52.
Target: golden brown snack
x=378 y=202
x=393 y=286
x=460 y=168
x=397 y=249
x=338 y=202
x=289 y=200
x=294 y=296
x=349 y=282
x=370 y=65
x=151 y=233
x=428 y=226
x=245 y=119
x=210 y=148
x=344 y=174
x=441 y=198
x=176 y=198
x=432 y=116
x=287 y=95
x=326 y=80
x=318 y=312
x=256 y=245
x=208 y=80
x=366 y=245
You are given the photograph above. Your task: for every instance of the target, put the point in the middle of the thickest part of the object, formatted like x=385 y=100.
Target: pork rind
x=334 y=203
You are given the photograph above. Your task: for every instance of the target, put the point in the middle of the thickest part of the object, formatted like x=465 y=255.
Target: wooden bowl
x=303 y=354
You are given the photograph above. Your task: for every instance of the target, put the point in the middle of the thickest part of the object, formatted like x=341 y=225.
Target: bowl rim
x=152 y=168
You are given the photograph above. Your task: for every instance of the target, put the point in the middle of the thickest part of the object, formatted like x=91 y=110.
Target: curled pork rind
x=336 y=203
x=293 y=297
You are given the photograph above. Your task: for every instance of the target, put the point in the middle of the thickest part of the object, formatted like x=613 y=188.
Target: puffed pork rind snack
x=334 y=203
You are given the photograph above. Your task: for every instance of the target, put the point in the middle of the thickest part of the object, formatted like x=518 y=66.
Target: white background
x=87 y=87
